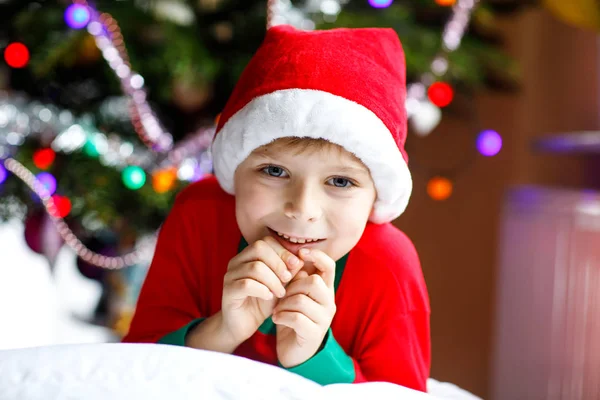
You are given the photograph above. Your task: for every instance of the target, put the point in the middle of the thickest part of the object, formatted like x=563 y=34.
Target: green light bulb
x=134 y=177
x=90 y=149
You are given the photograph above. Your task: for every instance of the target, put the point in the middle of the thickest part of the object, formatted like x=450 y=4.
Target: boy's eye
x=341 y=182
x=273 y=170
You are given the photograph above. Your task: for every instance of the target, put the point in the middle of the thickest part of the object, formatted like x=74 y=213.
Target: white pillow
x=146 y=371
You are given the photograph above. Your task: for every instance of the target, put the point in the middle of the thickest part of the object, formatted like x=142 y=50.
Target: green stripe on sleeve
x=330 y=365
x=177 y=338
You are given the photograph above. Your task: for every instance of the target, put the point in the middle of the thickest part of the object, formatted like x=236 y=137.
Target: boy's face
x=323 y=193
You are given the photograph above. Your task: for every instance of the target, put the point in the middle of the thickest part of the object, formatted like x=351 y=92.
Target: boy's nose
x=303 y=204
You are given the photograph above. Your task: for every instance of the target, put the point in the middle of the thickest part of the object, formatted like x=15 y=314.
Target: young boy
x=288 y=257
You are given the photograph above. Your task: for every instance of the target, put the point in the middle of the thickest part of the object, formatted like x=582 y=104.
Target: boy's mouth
x=294 y=239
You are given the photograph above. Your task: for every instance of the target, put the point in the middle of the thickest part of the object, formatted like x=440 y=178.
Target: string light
x=3 y=174
x=441 y=94
x=489 y=143
x=109 y=39
x=133 y=177
x=452 y=35
x=43 y=158
x=48 y=181
x=143 y=119
x=90 y=149
x=456 y=26
x=426 y=118
x=418 y=92
x=77 y=16
x=439 y=188
x=380 y=3
x=445 y=3
x=143 y=253
x=16 y=55
x=163 y=181
x=62 y=205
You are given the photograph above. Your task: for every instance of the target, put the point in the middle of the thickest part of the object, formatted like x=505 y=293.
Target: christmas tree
x=108 y=108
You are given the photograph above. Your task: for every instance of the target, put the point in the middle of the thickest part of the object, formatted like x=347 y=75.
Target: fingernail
x=282 y=293
x=293 y=260
x=287 y=276
x=304 y=252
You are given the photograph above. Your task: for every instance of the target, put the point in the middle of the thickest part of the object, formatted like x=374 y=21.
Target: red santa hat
x=347 y=86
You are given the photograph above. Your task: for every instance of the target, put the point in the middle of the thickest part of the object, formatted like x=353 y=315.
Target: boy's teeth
x=296 y=240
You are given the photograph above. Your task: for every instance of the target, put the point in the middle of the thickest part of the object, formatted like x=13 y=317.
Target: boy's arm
x=398 y=352
x=170 y=298
x=209 y=335
x=392 y=342
x=170 y=305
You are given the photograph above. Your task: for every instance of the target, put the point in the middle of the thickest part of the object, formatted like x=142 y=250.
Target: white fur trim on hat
x=317 y=114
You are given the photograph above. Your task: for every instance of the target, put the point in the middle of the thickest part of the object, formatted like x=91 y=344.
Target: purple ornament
x=42 y=237
x=33 y=225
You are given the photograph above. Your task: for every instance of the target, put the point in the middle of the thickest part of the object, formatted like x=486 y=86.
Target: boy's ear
x=371 y=215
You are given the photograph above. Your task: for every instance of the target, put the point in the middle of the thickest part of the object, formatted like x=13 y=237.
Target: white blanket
x=142 y=371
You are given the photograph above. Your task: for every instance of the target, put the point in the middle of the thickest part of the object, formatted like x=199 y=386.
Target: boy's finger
x=261 y=273
x=303 y=305
x=300 y=323
x=312 y=286
x=322 y=262
x=243 y=288
x=262 y=251
x=293 y=263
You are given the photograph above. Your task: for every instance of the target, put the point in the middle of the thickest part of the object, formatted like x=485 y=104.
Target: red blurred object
x=441 y=94
x=44 y=158
x=33 y=228
x=62 y=204
x=41 y=235
x=16 y=55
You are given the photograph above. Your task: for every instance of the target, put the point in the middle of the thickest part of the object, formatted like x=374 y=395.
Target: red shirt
x=381 y=328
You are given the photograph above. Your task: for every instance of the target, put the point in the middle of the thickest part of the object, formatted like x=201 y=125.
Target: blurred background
x=107 y=110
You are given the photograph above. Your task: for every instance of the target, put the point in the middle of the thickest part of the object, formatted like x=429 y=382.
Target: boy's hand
x=253 y=283
x=305 y=314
